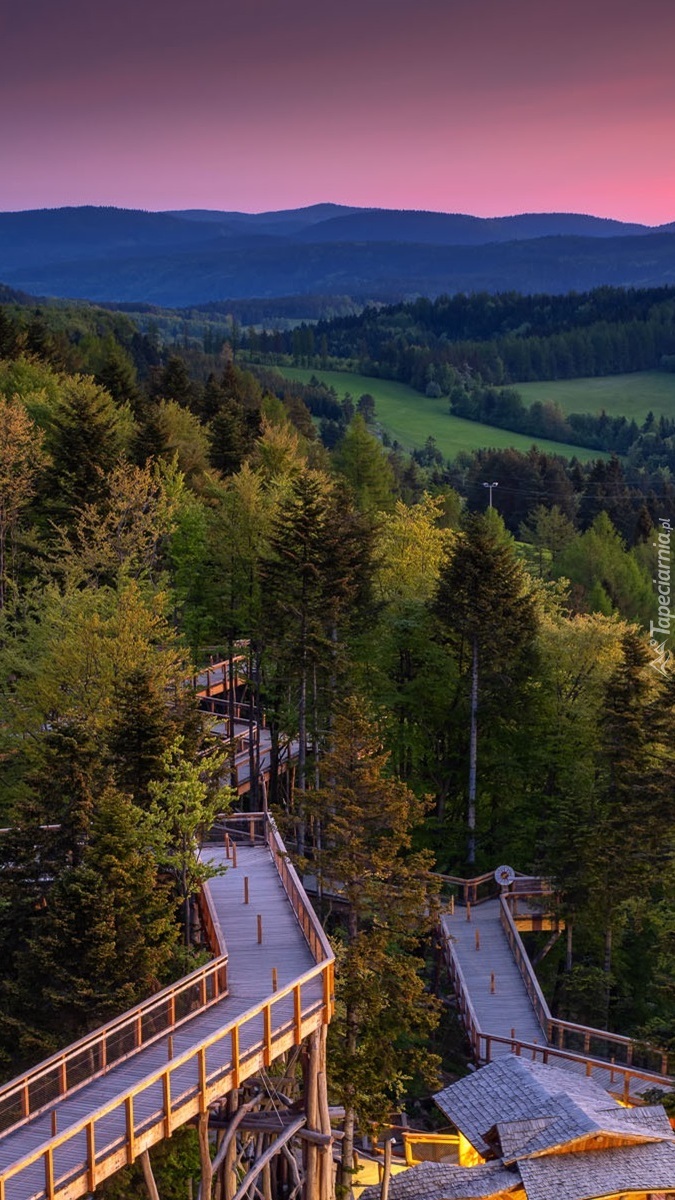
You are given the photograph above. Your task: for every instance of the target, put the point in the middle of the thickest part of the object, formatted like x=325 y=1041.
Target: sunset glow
x=453 y=105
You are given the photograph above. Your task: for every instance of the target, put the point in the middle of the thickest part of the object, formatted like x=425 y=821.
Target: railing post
x=166 y=1088
x=139 y=1030
x=201 y=1059
x=91 y=1156
x=63 y=1077
x=267 y=1035
x=25 y=1101
x=235 y=1056
x=131 y=1133
x=326 y=995
x=202 y=990
x=297 y=1010
x=49 y=1173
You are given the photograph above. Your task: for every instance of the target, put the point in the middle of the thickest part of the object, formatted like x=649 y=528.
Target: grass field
x=411 y=418
x=620 y=395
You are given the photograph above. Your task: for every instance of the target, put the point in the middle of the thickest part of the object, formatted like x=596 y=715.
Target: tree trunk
x=205 y=1157
x=473 y=758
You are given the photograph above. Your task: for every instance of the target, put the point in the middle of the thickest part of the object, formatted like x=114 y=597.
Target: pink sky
x=478 y=106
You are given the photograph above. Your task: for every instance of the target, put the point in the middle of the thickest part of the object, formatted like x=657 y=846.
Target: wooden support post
x=260 y=931
x=386 y=1174
x=148 y=1175
x=493 y=987
x=478 y=939
x=205 y=1156
x=245 y=889
x=54 y=1122
x=169 y=1046
x=275 y=979
x=513 y=1038
x=234 y=854
x=25 y=1101
x=468 y=910
x=227 y=845
x=311 y=1081
x=452 y=905
x=251 y=831
x=63 y=1077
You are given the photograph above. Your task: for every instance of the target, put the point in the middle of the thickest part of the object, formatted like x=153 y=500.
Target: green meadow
x=411 y=418
x=620 y=395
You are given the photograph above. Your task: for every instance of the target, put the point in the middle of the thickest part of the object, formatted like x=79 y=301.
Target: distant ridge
x=195 y=256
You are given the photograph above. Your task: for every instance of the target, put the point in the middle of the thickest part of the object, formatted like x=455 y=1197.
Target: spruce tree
x=486 y=610
x=383 y=1016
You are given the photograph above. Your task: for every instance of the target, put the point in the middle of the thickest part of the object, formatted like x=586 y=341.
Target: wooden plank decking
x=509 y=1006
x=514 y=1018
x=133 y=1094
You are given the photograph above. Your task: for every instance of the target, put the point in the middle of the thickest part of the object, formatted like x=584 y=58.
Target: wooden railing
x=217 y=675
x=260 y=829
x=536 y=996
x=465 y=1008
x=97 y=1145
x=28 y=1094
x=76 y=1161
x=620 y=1077
x=625 y=1058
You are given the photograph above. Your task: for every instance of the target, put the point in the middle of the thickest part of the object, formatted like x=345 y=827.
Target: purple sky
x=478 y=106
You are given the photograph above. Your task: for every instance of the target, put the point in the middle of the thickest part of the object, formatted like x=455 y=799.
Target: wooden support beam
x=148 y=1175
x=273 y=1149
x=205 y=1157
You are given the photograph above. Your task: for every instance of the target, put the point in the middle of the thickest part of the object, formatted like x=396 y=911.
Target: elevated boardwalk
x=184 y=1048
x=501 y=1003
x=507 y=1011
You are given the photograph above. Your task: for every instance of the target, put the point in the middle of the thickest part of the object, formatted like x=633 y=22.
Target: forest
x=157 y=509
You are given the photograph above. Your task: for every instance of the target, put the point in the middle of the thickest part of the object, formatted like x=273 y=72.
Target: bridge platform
x=67 y=1147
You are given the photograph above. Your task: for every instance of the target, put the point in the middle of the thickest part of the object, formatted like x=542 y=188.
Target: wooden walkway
x=67 y=1148
x=503 y=1008
x=507 y=1011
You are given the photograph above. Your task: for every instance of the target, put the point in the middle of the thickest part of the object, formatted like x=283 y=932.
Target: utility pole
x=490 y=486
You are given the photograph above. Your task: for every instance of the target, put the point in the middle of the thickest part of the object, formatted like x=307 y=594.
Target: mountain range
x=194 y=256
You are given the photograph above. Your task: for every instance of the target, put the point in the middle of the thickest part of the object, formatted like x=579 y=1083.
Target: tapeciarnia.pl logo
x=659 y=632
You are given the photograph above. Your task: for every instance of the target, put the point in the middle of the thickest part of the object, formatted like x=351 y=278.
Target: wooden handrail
x=537 y=998
x=547 y=1052
x=551 y=1025
x=87 y=1171
x=52 y=1073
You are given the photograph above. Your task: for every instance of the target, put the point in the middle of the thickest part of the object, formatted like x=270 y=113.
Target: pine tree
x=106 y=934
x=487 y=612
x=383 y=1018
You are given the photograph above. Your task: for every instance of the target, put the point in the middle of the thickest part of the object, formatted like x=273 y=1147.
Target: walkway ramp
x=66 y=1147
x=492 y=981
x=501 y=1003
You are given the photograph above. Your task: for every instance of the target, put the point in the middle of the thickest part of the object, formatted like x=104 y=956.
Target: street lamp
x=490 y=486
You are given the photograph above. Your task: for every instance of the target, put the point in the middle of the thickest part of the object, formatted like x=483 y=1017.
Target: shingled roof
x=438 y=1181
x=548 y=1134
x=514 y=1107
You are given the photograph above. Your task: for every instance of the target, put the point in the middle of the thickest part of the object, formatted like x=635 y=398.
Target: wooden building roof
x=547 y=1134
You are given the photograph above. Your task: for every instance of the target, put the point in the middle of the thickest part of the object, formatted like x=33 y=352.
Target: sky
x=488 y=107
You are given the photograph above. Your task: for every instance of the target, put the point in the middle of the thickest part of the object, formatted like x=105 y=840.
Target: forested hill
x=505 y=338
x=188 y=258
